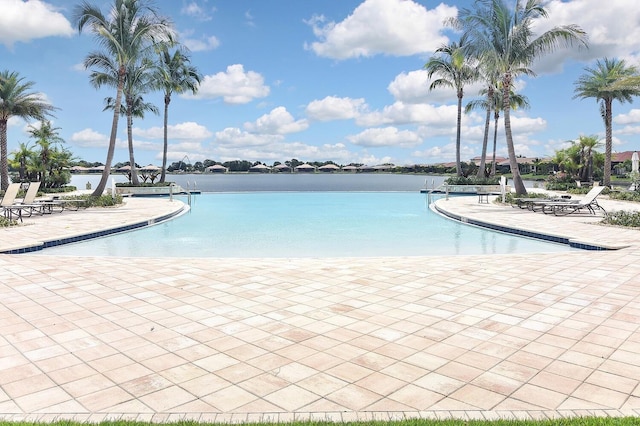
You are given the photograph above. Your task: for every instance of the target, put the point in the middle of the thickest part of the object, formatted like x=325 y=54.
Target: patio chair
x=535 y=204
x=588 y=203
x=8 y=205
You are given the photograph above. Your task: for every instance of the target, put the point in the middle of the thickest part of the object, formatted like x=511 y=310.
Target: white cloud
x=401 y=113
x=631 y=118
x=186 y=130
x=391 y=27
x=387 y=136
x=413 y=88
x=89 y=138
x=28 y=20
x=196 y=10
x=527 y=125
x=201 y=44
x=235 y=86
x=239 y=138
x=278 y=122
x=612 y=29
x=334 y=108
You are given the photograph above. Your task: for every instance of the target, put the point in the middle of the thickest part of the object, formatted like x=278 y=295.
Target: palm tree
x=22 y=158
x=587 y=145
x=135 y=106
x=455 y=70
x=46 y=137
x=486 y=104
x=137 y=80
x=173 y=74
x=17 y=100
x=128 y=34
x=605 y=83
x=495 y=105
x=502 y=36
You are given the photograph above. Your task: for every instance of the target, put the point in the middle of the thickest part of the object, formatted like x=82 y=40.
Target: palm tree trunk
x=458 y=165
x=608 y=141
x=496 y=116
x=513 y=161
x=167 y=100
x=4 y=166
x=132 y=162
x=485 y=142
x=112 y=139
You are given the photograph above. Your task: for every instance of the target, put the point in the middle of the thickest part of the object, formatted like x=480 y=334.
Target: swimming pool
x=307 y=224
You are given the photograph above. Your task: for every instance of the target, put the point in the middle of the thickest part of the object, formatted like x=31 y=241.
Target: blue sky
x=315 y=80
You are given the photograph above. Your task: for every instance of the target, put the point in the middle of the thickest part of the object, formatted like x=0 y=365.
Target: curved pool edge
x=99 y=231
x=575 y=241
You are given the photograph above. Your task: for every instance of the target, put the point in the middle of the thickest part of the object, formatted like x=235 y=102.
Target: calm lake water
x=286 y=182
x=280 y=223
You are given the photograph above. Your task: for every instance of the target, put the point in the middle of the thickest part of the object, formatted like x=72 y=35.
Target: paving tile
x=365 y=339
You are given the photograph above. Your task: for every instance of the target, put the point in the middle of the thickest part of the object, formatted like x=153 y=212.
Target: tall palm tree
x=129 y=33
x=135 y=106
x=605 y=83
x=502 y=35
x=173 y=74
x=455 y=70
x=17 y=100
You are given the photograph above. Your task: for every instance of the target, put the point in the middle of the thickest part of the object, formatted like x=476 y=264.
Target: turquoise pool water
x=307 y=224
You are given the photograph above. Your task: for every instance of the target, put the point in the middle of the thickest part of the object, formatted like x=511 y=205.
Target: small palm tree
x=22 y=158
x=46 y=137
x=587 y=145
x=502 y=36
x=455 y=70
x=130 y=33
x=17 y=100
x=607 y=82
x=494 y=103
x=135 y=106
x=173 y=74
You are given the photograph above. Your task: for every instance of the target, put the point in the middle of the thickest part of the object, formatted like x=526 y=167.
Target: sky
x=315 y=80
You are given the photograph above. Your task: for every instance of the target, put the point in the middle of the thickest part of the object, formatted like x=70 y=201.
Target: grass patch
x=578 y=421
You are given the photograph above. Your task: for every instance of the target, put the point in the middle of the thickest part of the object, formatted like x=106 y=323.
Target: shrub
x=128 y=185
x=625 y=195
x=5 y=222
x=622 y=218
x=560 y=182
x=471 y=180
x=102 y=201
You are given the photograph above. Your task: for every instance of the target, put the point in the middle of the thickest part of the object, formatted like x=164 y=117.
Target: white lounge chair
x=588 y=203
x=8 y=205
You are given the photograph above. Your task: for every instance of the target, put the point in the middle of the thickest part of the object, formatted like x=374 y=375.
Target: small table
x=483 y=197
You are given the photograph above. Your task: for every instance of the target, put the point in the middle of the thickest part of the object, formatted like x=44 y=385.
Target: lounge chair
x=8 y=205
x=535 y=204
x=588 y=203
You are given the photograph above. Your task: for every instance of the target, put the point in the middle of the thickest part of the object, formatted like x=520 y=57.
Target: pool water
x=307 y=224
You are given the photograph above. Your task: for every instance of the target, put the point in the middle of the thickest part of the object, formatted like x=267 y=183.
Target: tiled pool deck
x=236 y=340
